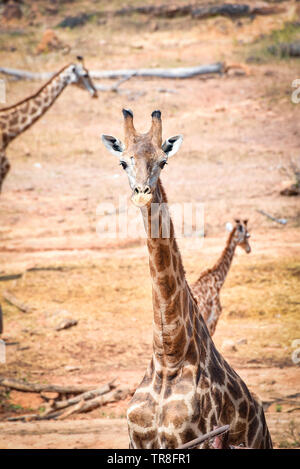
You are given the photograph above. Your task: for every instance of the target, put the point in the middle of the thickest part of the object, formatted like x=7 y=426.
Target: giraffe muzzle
x=141 y=196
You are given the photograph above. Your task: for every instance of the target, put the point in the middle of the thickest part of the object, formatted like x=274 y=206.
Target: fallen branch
x=56 y=405
x=201 y=12
x=290 y=399
x=114 y=88
x=79 y=407
x=92 y=404
x=291 y=49
x=11 y=299
x=178 y=72
x=281 y=221
x=7 y=278
x=25 y=75
x=32 y=387
x=207 y=436
x=234 y=10
x=293 y=409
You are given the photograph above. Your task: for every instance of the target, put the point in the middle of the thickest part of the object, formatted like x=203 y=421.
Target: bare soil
x=240 y=132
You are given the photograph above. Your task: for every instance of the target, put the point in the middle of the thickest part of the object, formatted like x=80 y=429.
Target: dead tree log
x=32 y=387
x=179 y=72
x=234 y=10
x=281 y=221
x=92 y=404
x=56 y=405
x=198 y=11
x=79 y=407
x=289 y=49
x=10 y=298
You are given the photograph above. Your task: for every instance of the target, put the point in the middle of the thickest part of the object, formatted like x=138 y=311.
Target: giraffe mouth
x=141 y=200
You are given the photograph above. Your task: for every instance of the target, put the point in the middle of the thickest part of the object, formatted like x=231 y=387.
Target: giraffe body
x=188 y=387
x=208 y=286
x=15 y=119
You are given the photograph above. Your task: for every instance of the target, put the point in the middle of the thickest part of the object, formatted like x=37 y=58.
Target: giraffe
x=17 y=118
x=207 y=288
x=188 y=386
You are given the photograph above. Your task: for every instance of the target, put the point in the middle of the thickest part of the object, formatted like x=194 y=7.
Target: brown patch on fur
x=141 y=416
x=173 y=309
x=187 y=435
x=162 y=258
x=243 y=409
x=174 y=345
x=152 y=269
x=252 y=428
x=167 y=286
x=228 y=410
x=175 y=413
x=191 y=355
x=14 y=119
x=169 y=441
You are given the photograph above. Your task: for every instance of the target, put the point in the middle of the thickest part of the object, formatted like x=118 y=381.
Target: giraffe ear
x=172 y=145
x=114 y=145
x=229 y=227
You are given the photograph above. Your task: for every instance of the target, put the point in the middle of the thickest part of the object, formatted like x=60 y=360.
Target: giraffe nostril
x=147 y=190
x=136 y=190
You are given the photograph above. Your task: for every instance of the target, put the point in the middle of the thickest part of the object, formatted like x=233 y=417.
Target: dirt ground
x=240 y=132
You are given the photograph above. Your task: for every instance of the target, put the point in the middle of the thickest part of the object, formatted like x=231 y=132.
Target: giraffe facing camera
x=188 y=387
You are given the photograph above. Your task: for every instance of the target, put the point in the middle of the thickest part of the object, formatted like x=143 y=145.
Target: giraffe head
x=240 y=234
x=79 y=76
x=142 y=156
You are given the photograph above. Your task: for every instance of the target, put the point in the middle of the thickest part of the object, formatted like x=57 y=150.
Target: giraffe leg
x=4 y=168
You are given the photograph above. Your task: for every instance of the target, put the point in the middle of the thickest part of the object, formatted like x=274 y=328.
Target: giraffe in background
x=208 y=286
x=188 y=387
x=15 y=119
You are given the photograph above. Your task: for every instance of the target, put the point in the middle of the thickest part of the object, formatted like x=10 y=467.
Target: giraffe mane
x=34 y=95
x=219 y=261
x=164 y=196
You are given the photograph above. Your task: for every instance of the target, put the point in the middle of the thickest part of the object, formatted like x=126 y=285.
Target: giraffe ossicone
x=188 y=387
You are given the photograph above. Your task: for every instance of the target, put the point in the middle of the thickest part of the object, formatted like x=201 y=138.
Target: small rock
x=241 y=342
x=66 y=323
x=74 y=21
x=72 y=368
x=229 y=346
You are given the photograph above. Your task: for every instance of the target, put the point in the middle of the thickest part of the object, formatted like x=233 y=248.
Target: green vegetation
x=266 y=48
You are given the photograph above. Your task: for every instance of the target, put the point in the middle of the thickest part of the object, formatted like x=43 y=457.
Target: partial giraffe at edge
x=208 y=286
x=188 y=387
x=15 y=119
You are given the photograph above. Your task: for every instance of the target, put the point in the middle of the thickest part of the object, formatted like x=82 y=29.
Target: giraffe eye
x=123 y=164
x=162 y=164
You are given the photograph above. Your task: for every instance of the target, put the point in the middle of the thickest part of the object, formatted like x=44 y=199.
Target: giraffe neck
x=173 y=303
x=16 y=119
x=221 y=268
